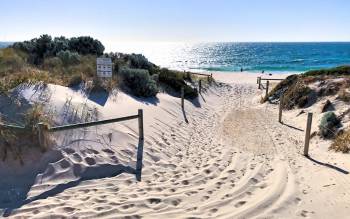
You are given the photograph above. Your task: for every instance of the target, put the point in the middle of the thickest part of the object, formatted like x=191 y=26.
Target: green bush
x=139 y=82
x=175 y=80
x=328 y=125
x=43 y=47
x=69 y=58
x=341 y=70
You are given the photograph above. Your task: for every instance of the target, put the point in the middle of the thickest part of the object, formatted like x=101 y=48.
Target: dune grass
x=341 y=142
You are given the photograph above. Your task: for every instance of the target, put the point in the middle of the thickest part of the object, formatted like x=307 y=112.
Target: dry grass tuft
x=16 y=141
x=341 y=142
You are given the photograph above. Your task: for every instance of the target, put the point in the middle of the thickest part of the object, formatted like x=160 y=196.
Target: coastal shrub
x=139 y=82
x=175 y=80
x=337 y=71
x=68 y=57
x=341 y=142
x=328 y=125
x=43 y=47
x=86 y=45
x=296 y=95
x=280 y=88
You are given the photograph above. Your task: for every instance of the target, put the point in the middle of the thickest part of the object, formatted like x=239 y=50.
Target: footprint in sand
x=108 y=151
x=154 y=200
x=240 y=203
x=90 y=161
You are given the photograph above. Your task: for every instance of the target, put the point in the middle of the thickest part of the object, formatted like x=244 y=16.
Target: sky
x=178 y=20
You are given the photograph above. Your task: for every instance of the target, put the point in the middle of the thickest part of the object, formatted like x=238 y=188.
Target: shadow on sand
x=292 y=127
x=327 y=165
x=90 y=173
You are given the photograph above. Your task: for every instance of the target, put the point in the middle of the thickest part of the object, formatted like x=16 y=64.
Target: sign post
x=104 y=67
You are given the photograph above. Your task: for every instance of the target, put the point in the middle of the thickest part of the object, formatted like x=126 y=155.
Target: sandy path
x=231 y=160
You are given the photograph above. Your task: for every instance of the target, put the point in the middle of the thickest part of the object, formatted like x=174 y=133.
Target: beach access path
x=232 y=159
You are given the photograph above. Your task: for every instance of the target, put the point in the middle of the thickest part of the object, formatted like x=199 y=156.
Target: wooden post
x=280 y=110
x=257 y=80
x=140 y=113
x=259 y=83
x=140 y=146
x=42 y=128
x=200 y=86
x=267 y=89
x=182 y=97
x=307 y=134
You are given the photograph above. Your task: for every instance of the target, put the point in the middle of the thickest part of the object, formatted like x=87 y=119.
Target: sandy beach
x=225 y=156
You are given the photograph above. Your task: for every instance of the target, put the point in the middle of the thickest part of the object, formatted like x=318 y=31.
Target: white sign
x=104 y=67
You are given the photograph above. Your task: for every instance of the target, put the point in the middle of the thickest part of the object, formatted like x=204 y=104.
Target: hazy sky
x=178 y=20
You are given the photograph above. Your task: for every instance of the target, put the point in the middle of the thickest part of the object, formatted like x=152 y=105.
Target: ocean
x=251 y=57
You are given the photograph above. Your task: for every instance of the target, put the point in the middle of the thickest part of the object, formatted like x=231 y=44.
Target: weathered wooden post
x=259 y=82
x=182 y=97
x=42 y=131
x=140 y=146
x=267 y=89
x=200 y=86
x=280 y=110
x=307 y=134
x=140 y=114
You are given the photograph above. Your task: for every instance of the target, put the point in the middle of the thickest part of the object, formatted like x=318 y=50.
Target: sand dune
x=232 y=159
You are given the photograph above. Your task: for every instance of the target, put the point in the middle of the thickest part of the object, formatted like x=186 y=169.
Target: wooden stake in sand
x=200 y=86
x=307 y=134
x=280 y=110
x=140 y=146
x=42 y=128
x=182 y=97
x=267 y=89
x=259 y=82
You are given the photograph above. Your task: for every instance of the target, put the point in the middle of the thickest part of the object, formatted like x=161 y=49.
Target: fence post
x=182 y=97
x=140 y=113
x=200 y=85
x=140 y=146
x=267 y=88
x=259 y=82
x=42 y=128
x=280 y=110
x=307 y=134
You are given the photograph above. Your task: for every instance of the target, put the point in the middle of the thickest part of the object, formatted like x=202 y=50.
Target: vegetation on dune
x=11 y=143
x=297 y=92
x=293 y=90
x=337 y=71
x=328 y=125
x=139 y=82
x=175 y=80
x=341 y=142
x=43 y=47
x=72 y=61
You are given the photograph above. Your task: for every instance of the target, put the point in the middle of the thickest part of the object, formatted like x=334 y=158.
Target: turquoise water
x=274 y=57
